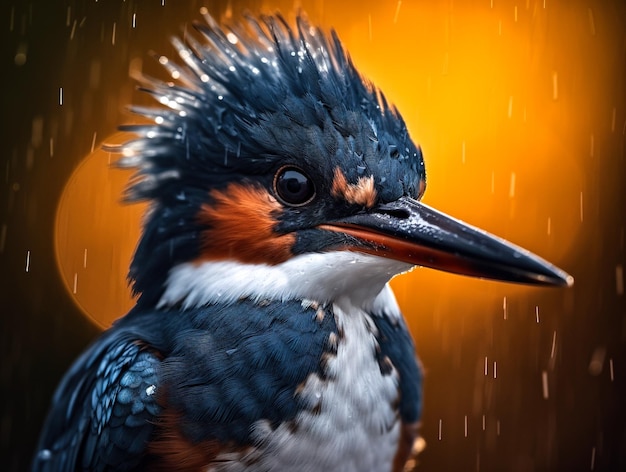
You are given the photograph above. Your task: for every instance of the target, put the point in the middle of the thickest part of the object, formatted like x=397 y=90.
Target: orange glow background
x=520 y=109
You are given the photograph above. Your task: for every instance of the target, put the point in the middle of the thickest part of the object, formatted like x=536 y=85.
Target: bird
x=284 y=194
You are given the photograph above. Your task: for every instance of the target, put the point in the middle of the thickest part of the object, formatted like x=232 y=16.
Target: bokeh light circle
x=95 y=235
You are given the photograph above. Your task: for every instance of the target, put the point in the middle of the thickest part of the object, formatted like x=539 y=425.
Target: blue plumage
x=221 y=369
x=242 y=363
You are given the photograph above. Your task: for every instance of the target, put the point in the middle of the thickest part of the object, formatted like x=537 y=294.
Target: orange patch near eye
x=241 y=222
x=362 y=193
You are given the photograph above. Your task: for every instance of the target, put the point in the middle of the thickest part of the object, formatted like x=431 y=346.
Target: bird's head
x=274 y=169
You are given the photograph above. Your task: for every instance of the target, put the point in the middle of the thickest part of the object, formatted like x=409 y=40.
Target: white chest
x=352 y=425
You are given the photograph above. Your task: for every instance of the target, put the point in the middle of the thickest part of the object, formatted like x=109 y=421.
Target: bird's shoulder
x=103 y=411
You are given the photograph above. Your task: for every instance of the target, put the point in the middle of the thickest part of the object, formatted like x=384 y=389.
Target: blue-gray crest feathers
x=248 y=95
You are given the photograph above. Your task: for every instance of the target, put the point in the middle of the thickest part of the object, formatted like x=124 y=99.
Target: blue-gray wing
x=103 y=411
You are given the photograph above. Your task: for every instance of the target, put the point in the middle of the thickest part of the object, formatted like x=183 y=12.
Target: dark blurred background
x=520 y=108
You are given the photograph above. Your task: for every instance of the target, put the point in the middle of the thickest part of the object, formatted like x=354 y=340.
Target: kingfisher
x=284 y=194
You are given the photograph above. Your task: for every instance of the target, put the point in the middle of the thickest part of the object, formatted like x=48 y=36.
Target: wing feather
x=103 y=411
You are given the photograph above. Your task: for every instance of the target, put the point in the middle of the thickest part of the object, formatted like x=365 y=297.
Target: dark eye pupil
x=293 y=187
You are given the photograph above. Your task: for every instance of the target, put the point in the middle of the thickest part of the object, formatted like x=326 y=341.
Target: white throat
x=323 y=277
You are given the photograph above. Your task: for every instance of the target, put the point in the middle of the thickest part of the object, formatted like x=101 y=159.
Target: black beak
x=410 y=231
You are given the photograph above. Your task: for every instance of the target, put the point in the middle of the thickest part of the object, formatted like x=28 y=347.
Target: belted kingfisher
x=284 y=195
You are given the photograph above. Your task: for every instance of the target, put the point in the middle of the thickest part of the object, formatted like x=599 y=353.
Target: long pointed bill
x=410 y=231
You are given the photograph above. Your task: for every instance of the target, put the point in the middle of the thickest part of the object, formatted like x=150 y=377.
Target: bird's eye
x=293 y=187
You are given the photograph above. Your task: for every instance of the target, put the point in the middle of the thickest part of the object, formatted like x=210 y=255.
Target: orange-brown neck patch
x=362 y=193
x=241 y=221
